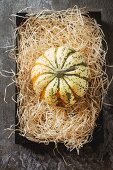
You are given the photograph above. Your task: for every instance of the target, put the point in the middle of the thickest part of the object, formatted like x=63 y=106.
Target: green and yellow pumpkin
x=60 y=76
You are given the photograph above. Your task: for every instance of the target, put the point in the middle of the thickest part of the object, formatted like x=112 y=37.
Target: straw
x=40 y=122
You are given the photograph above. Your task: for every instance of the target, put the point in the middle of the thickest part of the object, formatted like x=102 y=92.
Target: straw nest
x=38 y=121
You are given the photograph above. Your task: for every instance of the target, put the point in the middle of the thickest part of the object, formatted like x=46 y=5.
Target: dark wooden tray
x=98 y=134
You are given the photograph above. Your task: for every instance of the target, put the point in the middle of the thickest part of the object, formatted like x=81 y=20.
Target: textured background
x=17 y=157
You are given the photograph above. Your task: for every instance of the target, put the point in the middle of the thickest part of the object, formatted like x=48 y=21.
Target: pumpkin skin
x=60 y=76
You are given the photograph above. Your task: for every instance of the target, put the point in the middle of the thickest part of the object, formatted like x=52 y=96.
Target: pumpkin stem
x=59 y=73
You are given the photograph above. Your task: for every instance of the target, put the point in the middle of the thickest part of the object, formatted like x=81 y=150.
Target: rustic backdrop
x=17 y=157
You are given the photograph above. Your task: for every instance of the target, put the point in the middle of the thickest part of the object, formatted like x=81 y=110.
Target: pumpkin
x=60 y=76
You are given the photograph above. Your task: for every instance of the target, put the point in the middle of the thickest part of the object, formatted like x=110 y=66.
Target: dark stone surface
x=16 y=157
